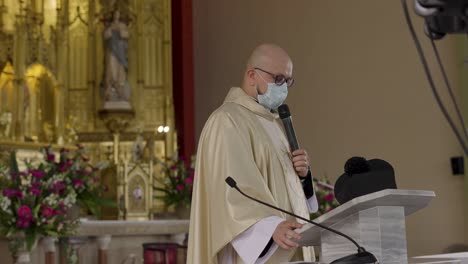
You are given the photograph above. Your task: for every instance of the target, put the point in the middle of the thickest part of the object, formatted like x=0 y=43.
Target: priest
x=244 y=139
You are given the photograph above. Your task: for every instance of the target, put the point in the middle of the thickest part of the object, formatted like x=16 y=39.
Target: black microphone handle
x=290 y=134
x=360 y=249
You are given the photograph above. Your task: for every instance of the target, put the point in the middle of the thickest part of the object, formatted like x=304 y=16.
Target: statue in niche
x=5 y=124
x=48 y=131
x=138 y=146
x=115 y=84
x=71 y=133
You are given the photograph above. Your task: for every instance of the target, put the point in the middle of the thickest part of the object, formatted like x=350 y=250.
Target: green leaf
x=30 y=239
x=52 y=233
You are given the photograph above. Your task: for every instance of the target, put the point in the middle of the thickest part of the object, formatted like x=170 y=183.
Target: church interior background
x=98 y=73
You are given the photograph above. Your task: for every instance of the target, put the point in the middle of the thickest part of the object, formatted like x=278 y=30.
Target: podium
x=376 y=221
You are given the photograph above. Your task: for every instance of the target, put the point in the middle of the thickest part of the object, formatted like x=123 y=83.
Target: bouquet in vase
x=36 y=201
x=175 y=186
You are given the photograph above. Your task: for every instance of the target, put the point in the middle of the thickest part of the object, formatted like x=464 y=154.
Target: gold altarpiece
x=53 y=88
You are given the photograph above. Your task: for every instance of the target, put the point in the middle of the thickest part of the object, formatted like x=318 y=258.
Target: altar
x=110 y=242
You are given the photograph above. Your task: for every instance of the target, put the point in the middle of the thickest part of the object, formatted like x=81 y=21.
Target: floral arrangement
x=176 y=184
x=324 y=192
x=36 y=201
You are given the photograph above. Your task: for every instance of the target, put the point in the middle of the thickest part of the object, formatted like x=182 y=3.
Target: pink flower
x=24 y=212
x=35 y=191
x=68 y=163
x=329 y=197
x=50 y=157
x=12 y=193
x=23 y=222
x=180 y=187
x=63 y=169
x=37 y=174
x=37 y=185
x=47 y=212
x=63 y=150
x=189 y=181
x=58 y=187
x=77 y=183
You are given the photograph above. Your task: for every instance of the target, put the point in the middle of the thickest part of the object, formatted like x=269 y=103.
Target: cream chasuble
x=235 y=143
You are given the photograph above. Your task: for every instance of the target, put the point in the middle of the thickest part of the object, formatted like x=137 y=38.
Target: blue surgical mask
x=274 y=95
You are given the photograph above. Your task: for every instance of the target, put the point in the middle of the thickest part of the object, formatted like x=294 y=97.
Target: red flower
x=47 y=212
x=329 y=197
x=180 y=187
x=50 y=157
x=77 y=183
x=24 y=212
x=12 y=193
x=37 y=174
x=23 y=222
x=189 y=181
x=58 y=187
x=35 y=191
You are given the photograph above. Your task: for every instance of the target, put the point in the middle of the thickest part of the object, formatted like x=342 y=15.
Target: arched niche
x=7 y=77
x=41 y=104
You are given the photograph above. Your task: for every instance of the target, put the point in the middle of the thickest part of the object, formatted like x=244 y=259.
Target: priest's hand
x=300 y=161
x=284 y=232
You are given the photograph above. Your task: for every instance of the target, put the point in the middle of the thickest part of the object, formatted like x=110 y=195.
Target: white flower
x=5 y=203
x=51 y=200
x=70 y=199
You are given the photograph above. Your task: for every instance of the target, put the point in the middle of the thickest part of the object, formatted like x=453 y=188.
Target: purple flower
x=329 y=197
x=50 y=157
x=24 y=212
x=14 y=175
x=77 y=183
x=68 y=163
x=58 y=187
x=37 y=174
x=23 y=222
x=47 y=212
x=62 y=208
x=35 y=191
x=189 y=181
x=37 y=185
x=12 y=193
x=180 y=187
x=63 y=169
x=63 y=150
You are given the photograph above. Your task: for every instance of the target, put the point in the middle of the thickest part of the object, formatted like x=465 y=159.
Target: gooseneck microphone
x=285 y=115
x=362 y=257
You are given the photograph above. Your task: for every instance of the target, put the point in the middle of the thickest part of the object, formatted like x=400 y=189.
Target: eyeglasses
x=279 y=79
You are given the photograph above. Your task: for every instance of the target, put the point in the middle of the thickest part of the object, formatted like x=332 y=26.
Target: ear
x=251 y=77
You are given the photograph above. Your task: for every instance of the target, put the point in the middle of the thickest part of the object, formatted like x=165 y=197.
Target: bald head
x=270 y=58
x=268 y=55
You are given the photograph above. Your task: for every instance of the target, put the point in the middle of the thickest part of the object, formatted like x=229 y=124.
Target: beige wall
x=360 y=90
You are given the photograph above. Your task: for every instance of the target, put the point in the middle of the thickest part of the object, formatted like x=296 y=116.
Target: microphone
x=361 y=257
x=285 y=115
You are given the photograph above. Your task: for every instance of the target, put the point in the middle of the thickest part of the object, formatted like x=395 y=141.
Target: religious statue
x=115 y=84
x=5 y=124
x=71 y=134
x=138 y=146
x=48 y=131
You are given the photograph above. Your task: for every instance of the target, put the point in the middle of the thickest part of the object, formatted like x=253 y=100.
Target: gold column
x=92 y=69
x=62 y=66
x=19 y=51
x=169 y=109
